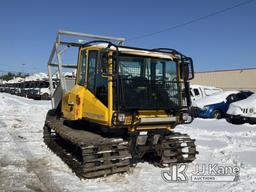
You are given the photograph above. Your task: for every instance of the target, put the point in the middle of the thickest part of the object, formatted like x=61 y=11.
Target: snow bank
x=33 y=77
x=15 y=80
x=37 y=77
x=18 y=79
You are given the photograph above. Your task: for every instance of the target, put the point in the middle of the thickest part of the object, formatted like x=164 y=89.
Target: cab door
x=72 y=107
x=95 y=108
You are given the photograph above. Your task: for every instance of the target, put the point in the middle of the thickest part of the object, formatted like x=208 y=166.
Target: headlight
x=121 y=117
x=252 y=110
x=205 y=107
x=142 y=138
x=186 y=117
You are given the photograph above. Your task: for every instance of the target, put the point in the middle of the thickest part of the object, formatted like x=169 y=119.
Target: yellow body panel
x=93 y=109
x=152 y=127
x=152 y=113
x=80 y=103
x=72 y=103
x=110 y=91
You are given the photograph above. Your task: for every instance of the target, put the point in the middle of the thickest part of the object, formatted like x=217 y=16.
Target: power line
x=193 y=20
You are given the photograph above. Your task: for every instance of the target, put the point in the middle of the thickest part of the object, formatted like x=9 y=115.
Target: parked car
x=200 y=91
x=41 y=90
x=30 y=91
x=242 y=111
x=2 y=87
x=14 y=88
x=216 y=105
x=25 y=88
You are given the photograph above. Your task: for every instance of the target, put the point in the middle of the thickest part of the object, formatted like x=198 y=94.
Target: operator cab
x=130 y=82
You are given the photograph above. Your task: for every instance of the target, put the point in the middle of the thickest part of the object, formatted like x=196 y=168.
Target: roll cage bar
x=55 y=59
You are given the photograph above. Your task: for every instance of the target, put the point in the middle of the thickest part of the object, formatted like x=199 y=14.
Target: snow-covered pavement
x=26 y=164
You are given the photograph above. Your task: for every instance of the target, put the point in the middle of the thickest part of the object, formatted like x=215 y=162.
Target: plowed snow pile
x=26 y=164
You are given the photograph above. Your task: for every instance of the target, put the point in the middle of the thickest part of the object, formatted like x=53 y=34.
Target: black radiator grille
x=141 y=93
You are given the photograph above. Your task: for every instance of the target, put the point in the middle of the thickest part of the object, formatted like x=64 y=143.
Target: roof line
x=216 y=71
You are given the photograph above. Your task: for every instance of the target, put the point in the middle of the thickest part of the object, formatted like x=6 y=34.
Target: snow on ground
x=26 y=164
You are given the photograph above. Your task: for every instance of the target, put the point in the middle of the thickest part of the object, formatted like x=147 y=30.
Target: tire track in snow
x=33 y=164
x=38 y=169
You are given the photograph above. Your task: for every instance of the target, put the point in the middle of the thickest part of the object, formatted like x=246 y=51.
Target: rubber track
x=98 y=156
x=178 y=148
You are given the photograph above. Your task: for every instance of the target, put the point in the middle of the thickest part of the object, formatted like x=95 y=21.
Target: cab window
x=92 y=62
x=96 y=83
x=82 y=72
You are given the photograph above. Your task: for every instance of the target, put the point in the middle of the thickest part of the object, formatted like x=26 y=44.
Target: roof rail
x=118 y=40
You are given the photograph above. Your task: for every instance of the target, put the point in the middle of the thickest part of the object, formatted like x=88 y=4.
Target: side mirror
x=187 y=69
x=187 y=93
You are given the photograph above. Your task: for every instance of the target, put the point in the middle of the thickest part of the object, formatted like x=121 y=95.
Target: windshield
x=44 y=85
x=148 y=83
x=149 y=68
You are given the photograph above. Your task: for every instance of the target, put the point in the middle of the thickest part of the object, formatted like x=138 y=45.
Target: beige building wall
x=242 y=79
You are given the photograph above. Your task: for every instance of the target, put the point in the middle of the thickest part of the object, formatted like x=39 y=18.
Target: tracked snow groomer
x=121 y=107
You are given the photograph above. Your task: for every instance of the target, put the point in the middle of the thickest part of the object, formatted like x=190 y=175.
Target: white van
x=42 y=90
x=243 y=111
x=200 y=91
